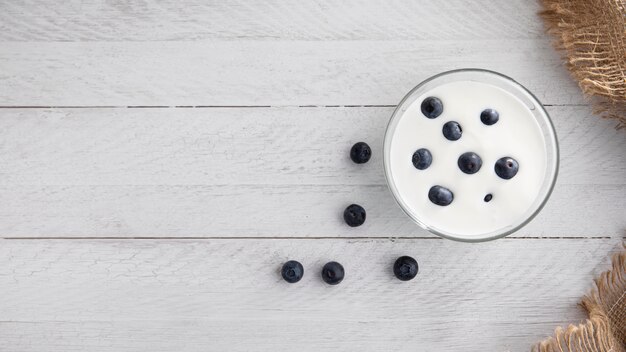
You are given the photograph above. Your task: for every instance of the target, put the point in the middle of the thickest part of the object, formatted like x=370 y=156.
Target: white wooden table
x=160 y=160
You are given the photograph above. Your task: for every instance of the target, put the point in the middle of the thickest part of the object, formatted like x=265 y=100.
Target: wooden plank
x=228 y=146
x=268 y=20
x=199 y=172
x=267 y=211
x=228 y=295
x=272 y=73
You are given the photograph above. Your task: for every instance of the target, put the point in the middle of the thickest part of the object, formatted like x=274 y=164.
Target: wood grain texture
x=284 y=171
x=170 y=20
x=274 y=73
x=277 y=170
x=252 y=146
x=267 y=211
x=228 y=295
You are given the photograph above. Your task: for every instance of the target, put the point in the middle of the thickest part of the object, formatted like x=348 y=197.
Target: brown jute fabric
x=605 y=330
x=592 y=35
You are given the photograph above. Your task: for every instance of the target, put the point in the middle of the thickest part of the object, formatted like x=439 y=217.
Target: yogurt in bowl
x=470 y=155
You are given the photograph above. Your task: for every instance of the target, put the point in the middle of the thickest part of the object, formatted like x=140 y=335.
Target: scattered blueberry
x=405 y=268
x=488 y=197
x=292 y=271
x=506 y=167
x=452 y=130
x=360 y=153
x=432 y=107
x=354 y=215
x=422 y=159
x=489 y=117
x=470 y=163
x=332 y=273
x=440 y=195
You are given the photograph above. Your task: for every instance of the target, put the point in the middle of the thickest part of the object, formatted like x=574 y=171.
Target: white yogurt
x=517 y=134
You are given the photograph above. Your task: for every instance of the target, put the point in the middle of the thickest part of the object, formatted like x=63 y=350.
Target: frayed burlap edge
x=604 y=331
x=592 y=36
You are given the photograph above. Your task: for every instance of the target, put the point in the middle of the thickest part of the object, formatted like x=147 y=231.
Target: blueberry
x=292 y=271
x=360 y=153
x=405 y=268
x=452 y=130
x=489 y=116
x=440 y=195
x=332 y=273
x=432 y=107
x=488 y=197
x=422 y=159
x=469 y=163
x=354 y=215
x=506 y=167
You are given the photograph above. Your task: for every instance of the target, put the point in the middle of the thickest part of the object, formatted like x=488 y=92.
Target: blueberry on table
x=354 y=215
x=470 y=163
x=360 y=153
x=506 y=167
x=452 y=130
x=432 y=107
x=332 y=273
x=422 y=159
x=440 y=195
x=405 y=268
x=489 y=117
x=292 y=271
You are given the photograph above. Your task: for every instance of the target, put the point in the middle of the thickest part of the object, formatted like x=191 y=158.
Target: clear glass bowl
x=510 y=86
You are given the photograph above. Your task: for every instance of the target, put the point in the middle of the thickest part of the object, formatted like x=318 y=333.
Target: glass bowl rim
x=547 y=128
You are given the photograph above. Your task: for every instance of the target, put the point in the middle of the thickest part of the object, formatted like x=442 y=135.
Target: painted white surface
x=92 y=167
x=275 y=73
x=286 y=171
x=195 y=20
x=227 y=295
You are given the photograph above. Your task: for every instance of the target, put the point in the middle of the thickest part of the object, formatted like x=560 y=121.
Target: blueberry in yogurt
x=452 y=130
x=422 y=158
x=469 y=163
x=489 y=117
x=432 y=107
x=440 y=195
x=506 y=168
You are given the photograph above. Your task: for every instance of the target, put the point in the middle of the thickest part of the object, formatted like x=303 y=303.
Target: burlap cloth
x=605 y=330
x=592 y=35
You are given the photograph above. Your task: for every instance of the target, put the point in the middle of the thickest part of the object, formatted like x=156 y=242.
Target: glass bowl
x=542 y=120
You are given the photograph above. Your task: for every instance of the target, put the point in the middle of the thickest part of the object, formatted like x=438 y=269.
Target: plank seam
x=215 y=106
x=195 y=238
